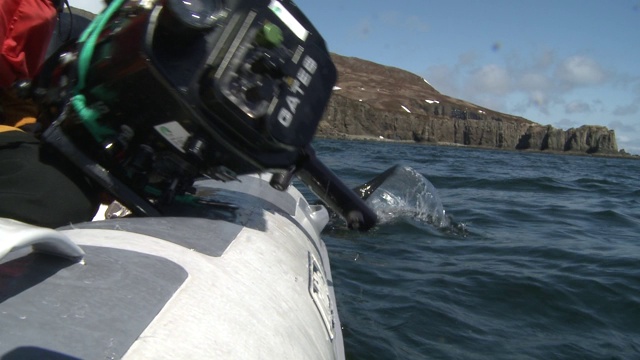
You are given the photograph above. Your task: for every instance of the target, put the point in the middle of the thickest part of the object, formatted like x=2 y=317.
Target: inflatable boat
x=242 y=274
x=195 y=116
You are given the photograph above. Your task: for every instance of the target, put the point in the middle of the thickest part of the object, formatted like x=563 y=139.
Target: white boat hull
x=251 y=282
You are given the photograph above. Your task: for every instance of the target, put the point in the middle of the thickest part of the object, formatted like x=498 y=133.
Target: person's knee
x=40 y=188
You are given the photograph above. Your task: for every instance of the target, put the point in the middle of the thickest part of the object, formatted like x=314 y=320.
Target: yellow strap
x=6 y=128
x=16 y=111
x=25 y=121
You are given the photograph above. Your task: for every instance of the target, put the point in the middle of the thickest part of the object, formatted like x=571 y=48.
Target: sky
x=564 y=63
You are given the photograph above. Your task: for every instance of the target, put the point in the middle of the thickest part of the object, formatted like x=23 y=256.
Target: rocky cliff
x=372 y=100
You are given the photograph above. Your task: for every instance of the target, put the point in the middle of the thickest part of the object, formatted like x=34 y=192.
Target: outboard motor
x=156 y=94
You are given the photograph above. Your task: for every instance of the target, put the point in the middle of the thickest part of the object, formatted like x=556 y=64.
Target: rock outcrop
x=587 y=138
x=373 y=100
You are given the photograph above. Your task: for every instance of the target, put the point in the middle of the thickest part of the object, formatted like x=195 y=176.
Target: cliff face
x=587 y=139
x=375 y=100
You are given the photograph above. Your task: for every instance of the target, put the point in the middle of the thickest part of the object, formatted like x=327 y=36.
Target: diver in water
x=36 y=184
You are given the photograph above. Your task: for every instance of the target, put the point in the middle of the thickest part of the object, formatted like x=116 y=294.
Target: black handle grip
x=334 y=193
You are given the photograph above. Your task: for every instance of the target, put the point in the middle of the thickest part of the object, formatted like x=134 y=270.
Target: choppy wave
x=547 y=270
x=408 y=194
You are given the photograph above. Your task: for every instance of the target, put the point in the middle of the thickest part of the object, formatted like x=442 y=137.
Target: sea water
x=508 y=255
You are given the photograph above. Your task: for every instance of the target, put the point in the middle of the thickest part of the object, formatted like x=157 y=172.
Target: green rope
x=184 y=198
x=89 y=39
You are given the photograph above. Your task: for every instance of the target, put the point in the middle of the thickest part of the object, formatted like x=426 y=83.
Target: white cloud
x=536 y=85
x=544 y=59
x=491 y=79
x=539 y=100
x=622 y=127
x=628 y=141
x=624 y=110
x=635 y=88
x=580 y=71
x=444 y=79
x=535 y=81
x=467 y=59
x=577 y=107
x=565 y=123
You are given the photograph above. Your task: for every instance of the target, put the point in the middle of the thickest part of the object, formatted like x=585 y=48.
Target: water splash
x=402 y=192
